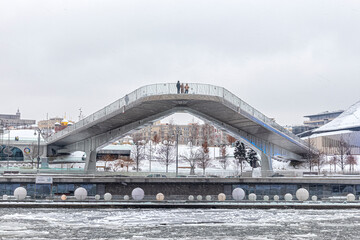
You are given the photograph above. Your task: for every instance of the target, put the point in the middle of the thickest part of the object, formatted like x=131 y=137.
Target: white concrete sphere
x=252 y=197
x=302 y=194
x=208 y=197
x=350 y=197
x=276 y=198
x=288 y=197
x=63 y=197
x=5 y=197
x=221 y=197
x=107 y=196
x=97 y=197
x=126 y=198
x=138 y=194
x=266 y=198
x=80 y=193
x=191 y=198
x=314 y=198
x=20 y=193
x=199 y=197
x=238 y=194
x=160 y=197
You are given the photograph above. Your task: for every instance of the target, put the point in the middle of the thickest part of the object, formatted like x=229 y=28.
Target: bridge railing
x=170 y=88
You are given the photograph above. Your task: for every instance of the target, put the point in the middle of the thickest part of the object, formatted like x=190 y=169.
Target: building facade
x=9 y=120
x=191 y=133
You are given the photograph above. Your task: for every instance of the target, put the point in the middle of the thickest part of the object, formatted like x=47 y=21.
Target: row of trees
x=340 y=158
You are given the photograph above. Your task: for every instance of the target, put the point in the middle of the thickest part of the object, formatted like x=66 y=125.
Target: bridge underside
x=98 y=133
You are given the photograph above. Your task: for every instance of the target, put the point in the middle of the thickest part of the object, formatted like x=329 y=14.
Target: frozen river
x=178 y=224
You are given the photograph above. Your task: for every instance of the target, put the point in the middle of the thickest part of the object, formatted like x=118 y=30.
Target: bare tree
x=342 y=151
x=224 y=161
x=121 y=163
x=194 y=134
x=137 y=151
x=107 y=158
x=190 y=157
x=156 y=139
x=166 y=153
x=333 y=161
x=312 y=153
x=202 y=154
x=351 y=161
x=230 y=139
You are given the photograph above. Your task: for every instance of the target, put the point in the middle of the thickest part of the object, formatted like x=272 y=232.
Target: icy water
x=178 y=224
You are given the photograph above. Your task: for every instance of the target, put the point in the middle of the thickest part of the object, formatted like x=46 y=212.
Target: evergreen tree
x=240 y=153
x=252 y=158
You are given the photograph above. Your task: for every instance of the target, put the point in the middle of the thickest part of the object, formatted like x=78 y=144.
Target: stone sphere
x=97 y=197
x=238 y=194
x=63 y=197
x=288 y=197
x=199 y=197
x=138 y=194
x=107 y=196
x=252 y=197
x=302 y=194
x=191 y=198
x=350 y=197
x=160 y=197
x=221 y=197
x=266 y=198
x=20 y=193
x=276 y=198
x=208 y=198
x=80 y=193
x=126 y=198
x=314 y=198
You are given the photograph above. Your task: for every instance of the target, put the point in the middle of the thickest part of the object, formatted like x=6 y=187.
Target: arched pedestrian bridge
x=152 y=102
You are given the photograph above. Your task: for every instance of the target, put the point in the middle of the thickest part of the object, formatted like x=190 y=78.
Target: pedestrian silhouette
x=187 y=88
x=178 y=86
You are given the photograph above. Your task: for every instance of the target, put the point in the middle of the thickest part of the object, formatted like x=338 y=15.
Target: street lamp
x=38 y=130
x=178 y=132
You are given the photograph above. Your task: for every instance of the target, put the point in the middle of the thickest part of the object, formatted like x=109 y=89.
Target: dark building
x=320 y=119
x=8 y=120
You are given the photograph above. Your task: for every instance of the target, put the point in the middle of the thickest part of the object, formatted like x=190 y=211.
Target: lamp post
x=38 y=146
x=178 y=132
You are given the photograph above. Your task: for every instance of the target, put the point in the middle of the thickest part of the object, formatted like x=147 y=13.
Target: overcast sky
x=285 y=58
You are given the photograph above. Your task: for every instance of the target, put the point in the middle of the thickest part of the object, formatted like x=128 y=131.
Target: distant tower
x=18 y=114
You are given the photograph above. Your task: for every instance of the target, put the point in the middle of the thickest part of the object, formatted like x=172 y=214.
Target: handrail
x=170 y=88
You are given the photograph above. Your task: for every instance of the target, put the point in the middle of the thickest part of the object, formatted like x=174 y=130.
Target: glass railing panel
x=163 y=88
x=214 y=91
x=246 y=107
x=151 y=89
x=112 y=107
x=99 y=114
x=203 y=89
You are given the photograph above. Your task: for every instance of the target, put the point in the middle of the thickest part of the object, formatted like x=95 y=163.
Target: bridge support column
x=90 y=164
x=266 y=165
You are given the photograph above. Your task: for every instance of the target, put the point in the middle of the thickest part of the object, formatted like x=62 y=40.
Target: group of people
x=181 y=88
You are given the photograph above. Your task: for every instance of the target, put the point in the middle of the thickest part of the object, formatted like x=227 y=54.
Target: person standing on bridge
x=182 y=88
x=187 y=88
x=178 y=86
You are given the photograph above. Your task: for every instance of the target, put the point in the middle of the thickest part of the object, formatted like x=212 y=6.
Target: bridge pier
x=266 y=165
x=90 y=164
